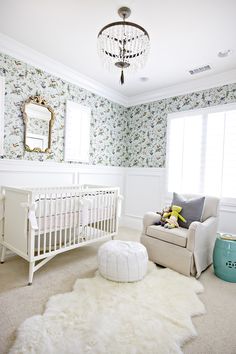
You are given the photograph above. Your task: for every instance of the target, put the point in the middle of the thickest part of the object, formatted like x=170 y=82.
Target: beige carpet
x=216 y=329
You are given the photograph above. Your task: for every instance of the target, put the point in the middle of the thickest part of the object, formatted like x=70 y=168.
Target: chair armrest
x=202 y=234
x=150 y=218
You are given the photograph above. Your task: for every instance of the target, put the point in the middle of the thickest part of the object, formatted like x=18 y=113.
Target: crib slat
x=92 y=219
x=55 y=229
x=108 y=213
x=60 y=231
x=45 y=224
x=79 y=219
x=70 y=217
x=113 y=211
x=65 y=220
x=39 y=224
x=103 y=210
x=91 y=225
x=97 y=215
x=50 y=223
x=74 y=216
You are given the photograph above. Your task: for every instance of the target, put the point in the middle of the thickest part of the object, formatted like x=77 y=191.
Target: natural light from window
x=77 y=132
x=201 y=151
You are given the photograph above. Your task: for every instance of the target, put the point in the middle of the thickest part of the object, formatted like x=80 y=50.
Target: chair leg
x=3 y=254
x=31 y=272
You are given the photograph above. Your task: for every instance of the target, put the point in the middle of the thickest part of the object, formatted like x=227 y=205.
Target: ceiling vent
x=199 y=70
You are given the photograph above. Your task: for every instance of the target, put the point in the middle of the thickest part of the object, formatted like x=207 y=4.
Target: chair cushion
x=177 y=236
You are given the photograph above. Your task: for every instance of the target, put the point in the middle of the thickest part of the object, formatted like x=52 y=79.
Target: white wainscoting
x=20 y=173
x=227 y=222
x=143 y=192
x=143 y=188
x=34 y=173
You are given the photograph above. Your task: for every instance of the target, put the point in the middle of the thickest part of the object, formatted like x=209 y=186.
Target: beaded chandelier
x=123 y=45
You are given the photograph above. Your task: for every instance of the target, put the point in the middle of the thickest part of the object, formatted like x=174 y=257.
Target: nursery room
x=117 y=177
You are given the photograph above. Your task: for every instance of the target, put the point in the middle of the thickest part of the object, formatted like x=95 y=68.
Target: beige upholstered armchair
x=187 y=251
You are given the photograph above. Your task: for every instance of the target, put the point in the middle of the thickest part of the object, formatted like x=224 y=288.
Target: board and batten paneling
x=143 y=188
x=143 y=192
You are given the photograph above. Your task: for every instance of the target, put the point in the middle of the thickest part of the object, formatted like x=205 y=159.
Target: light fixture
x=123 y=44
x=225 y=53
x=144 y=78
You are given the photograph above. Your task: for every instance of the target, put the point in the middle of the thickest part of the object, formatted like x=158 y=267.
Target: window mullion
x=182 y=166
x=223 y=157
x=202 y=170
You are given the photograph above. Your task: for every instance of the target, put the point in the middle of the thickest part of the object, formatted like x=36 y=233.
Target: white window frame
x=67 y=156
x=230 y=202
x=2 y=102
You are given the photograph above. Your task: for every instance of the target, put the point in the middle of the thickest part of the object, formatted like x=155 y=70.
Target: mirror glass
x=38 y=118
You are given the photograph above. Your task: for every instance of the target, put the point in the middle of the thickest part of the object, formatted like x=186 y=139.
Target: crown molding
x=227 y=77
x=22 y=52
x=30 y=56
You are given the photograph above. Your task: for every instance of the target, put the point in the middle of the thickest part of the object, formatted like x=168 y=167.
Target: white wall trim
x=142 y=188
x=143 y=191
x=206 y=110
x=28 y=55
x=2 y=100
x=50 y=166
x=208 y=82
x=22 y=52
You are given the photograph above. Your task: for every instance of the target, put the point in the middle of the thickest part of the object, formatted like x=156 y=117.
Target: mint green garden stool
x=224 y=259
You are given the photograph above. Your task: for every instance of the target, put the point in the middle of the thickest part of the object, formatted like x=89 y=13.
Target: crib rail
x=65 y=219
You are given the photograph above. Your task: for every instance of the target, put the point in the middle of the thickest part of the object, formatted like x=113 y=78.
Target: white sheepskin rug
x=152 y=316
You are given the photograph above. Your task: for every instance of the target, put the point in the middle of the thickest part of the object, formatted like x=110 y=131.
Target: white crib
x=39 y=223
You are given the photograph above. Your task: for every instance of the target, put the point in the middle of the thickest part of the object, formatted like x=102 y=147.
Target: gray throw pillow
x=192 y=209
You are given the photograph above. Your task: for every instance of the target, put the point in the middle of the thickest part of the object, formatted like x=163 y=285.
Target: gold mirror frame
x=38 y=100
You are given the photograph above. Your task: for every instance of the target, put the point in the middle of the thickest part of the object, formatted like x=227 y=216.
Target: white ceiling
x=184 y=34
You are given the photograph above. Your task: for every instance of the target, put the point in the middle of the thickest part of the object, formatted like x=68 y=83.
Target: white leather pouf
x=122 y=261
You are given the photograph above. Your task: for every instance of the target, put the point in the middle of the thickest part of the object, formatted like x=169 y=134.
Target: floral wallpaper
x=108 y=125
x=146 y=142
x=38 y=126
x=120 y=136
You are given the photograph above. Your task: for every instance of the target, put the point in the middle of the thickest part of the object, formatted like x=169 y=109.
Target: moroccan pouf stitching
x=122 y=261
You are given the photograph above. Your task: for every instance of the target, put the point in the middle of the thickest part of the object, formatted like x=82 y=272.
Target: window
x=77 y=132
x=201 y=151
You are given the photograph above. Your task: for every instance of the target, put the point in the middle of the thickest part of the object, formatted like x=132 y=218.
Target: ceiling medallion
x=123 y=45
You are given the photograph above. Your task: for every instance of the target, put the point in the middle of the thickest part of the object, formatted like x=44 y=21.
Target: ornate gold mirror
x=38 y=119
